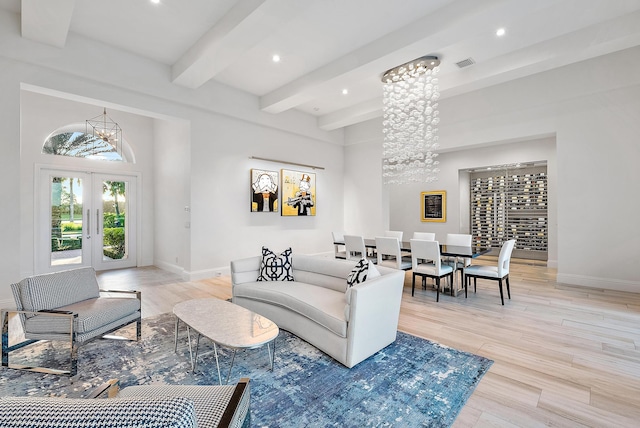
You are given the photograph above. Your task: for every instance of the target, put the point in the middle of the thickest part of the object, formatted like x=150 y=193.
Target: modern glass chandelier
x=410 y=122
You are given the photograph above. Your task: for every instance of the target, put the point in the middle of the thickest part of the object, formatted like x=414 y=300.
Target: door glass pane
x=66 y=221
x=114 y=209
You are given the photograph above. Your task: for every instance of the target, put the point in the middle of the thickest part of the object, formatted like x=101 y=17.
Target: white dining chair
x=340 y=251
x=389 y=254
x=397 y=234
x=356 y=249
x=425 y=261
x=461 y=240
x=426 y=236
x=499 y=273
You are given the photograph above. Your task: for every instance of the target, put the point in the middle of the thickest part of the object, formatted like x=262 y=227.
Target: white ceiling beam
x=47 y=21
x=243 y=27
x=351 y=115
x=426 y=31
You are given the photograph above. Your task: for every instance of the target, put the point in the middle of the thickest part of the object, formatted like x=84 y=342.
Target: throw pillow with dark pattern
x=276 y=267
x=362 y=271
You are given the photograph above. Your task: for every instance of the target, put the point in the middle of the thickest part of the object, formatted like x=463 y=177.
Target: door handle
x=88 y=224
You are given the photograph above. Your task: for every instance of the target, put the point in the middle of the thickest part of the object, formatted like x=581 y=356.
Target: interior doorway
x=85 y=219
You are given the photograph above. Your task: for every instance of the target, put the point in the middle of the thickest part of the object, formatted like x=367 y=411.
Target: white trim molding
x=601 y=283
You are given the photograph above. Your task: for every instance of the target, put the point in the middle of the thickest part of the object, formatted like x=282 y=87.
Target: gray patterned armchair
x=66 y=306
x=148 y=406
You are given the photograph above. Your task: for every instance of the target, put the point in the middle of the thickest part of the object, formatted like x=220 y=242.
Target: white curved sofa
x=349 y=324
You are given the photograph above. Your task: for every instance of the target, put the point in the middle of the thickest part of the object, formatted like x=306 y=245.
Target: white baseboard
x=208 y=273
x=170 y=267
x=7 y=304
x=601 y=283
x=552 y=264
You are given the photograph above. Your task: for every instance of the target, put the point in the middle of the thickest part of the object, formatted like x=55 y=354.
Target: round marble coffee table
x=225 y=324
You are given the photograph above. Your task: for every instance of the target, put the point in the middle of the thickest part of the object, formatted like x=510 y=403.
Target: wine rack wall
x=511 y=204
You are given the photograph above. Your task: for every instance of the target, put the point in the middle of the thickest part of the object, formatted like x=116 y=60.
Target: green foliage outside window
x=114 y=242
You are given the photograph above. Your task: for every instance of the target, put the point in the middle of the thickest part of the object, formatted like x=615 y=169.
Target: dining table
x=456 y=251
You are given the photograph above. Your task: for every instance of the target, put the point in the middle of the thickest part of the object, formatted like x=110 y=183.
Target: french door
x=85 y=219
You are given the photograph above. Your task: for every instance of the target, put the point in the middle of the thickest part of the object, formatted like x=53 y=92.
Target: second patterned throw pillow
x=362 y=270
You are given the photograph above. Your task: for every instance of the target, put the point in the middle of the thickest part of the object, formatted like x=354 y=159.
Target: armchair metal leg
x=6 y=350
x=139 y=329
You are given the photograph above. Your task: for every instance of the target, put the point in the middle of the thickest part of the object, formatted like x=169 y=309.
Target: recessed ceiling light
x=276 y=58
x=155 y=1
x=345 y=91
x=500 y=32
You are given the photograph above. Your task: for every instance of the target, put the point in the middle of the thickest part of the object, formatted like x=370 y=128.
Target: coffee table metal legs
x=215 y=350
x=194 y=356
x=272 y=356
x=175 y=344
x=194 y=361
x=175 y=340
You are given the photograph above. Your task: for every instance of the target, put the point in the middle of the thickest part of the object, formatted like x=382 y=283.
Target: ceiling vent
x=465 y=63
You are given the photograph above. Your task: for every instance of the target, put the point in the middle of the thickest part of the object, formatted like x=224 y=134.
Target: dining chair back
x=389 y=254
x=426 y=236
x=355 y=248
x=461 y=240
x=394 y=234
x=499 y=273
x=425 y=262
x=340 y=251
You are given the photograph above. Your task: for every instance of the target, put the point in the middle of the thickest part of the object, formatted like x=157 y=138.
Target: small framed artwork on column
x=433 y=206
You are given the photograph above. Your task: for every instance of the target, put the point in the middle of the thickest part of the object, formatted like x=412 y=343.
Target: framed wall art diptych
x=298 y=193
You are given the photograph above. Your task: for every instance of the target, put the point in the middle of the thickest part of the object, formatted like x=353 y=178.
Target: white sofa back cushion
x=327 y=273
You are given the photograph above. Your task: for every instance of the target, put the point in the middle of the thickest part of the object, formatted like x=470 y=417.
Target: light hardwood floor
x=563 y=356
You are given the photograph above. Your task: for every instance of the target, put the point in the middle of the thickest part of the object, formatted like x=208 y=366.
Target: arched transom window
x=74 y=141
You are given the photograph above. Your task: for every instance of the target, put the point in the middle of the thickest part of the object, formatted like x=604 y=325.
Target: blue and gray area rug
x=411 y=383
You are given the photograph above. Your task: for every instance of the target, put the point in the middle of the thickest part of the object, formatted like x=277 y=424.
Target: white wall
x=172 y=195
x=592 y=108
x=366 y=198
x=223 y=126
x=220 y=188
x=10 y=213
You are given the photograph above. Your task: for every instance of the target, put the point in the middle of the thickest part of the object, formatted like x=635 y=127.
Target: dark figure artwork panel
x=264 y=190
